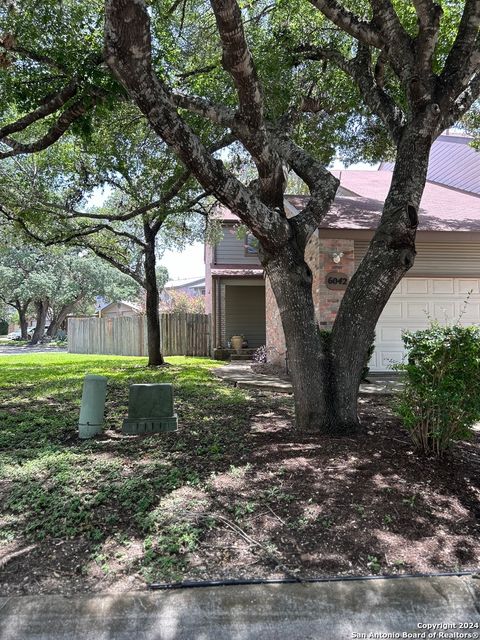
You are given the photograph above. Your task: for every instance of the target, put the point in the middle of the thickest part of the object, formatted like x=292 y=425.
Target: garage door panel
x=445 y=311
x=470 y=312
x=465 y=286
x=415 y=310
x=444 y=298
x=393 y=309
x=443 y=286
x=388 y=358
x=389 y=334
x=416 y=285
x=399 y=290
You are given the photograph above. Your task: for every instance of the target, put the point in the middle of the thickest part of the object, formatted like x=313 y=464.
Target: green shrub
x=3 y=327
x=441 y=398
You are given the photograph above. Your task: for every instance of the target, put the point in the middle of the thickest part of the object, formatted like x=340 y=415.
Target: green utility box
x=93 y=406
x=150 y=409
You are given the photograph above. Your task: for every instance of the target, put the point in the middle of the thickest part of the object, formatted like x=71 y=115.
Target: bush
x=3 y=327
x=441 y=399
x=180 y=301
x=260 y=354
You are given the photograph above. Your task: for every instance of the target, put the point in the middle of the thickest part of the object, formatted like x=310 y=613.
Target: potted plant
x=237 y=342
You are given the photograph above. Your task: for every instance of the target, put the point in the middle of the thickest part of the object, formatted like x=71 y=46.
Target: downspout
x=219 y=313
x=214 y=315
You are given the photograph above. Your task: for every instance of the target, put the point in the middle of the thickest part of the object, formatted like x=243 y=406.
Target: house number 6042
x=336 y=280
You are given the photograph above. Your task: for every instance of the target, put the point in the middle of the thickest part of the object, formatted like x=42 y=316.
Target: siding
x=245 y=313
x=437 y=259
x=231 y=249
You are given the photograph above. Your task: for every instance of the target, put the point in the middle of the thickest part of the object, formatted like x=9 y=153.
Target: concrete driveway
x=337 y=610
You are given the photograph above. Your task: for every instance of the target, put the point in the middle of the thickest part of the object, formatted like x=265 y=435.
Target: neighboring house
x=190 y=286
x=447 y=266
x=121 y=309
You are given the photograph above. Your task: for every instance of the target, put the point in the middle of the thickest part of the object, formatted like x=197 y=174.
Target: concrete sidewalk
x=337 y=610
x=241 y=375
x=24 y=350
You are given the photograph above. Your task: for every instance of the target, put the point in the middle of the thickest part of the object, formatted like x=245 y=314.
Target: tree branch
x=238 y=62
x=395 y=39
x=127 y=31
x=429 y=14
x=363 y=31
x=9 y=45
x=462 y=104
x=215 y=113
x=134 y=274
x=49 y=105
x=70 y=115
x=361 y=71
x=463 y=59
x=197 y=72
x=321 y=183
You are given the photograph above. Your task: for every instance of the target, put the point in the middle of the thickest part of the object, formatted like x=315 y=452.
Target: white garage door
x=411 y=305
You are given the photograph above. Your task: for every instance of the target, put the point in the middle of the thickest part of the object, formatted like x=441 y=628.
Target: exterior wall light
x=337 y=256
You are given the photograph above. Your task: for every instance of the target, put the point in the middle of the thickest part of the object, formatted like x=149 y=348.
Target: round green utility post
x=93 y=406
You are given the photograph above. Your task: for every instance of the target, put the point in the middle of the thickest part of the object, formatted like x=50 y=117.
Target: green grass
x=54 y=486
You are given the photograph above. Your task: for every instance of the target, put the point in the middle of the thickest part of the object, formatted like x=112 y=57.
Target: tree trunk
x=155 y=357
x=42 y=310
x=291 y=281
x=22 y=318
x=326 y=374
x=390 y=255
x=58 y=319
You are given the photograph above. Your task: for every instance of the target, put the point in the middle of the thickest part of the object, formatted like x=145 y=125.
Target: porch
x=238 y=309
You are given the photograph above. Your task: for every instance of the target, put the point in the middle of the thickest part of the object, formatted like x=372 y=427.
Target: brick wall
x=276 y=350
x=329 y=301
x=319 y=255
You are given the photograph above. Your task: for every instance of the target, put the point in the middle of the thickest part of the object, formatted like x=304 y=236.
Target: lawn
x=233 y=493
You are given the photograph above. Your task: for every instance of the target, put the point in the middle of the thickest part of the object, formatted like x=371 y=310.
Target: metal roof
x=453 y=163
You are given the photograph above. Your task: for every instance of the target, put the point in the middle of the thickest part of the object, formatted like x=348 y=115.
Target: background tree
x=150 y=203
x=16 y=266
x=53 y=283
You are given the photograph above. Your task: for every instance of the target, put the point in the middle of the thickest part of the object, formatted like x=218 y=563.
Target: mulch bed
x=283 y=506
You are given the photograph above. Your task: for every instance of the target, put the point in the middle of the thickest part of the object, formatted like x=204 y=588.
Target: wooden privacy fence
x=181 y=334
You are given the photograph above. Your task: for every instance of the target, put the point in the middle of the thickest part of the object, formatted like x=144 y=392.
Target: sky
x=189 y=263
x=185 y=264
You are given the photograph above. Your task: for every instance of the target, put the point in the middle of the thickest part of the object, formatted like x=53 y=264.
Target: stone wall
x=319 y=254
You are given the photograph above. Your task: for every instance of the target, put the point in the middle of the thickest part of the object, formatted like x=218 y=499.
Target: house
x=121 y=309
x=446 y=271
x=190 y=286
x=193 y=286
x=234 y=285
